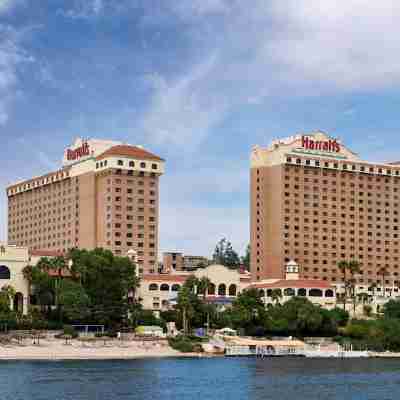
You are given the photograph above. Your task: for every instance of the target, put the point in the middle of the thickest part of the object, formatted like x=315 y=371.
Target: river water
x=220 y=379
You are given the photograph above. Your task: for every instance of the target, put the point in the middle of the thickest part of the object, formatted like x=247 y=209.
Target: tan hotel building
x=315 y=201
x=106 y=194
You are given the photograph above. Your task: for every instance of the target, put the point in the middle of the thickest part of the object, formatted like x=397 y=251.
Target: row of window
x=130 y=164
x=344 y=166
x=222 y=289
x=39 y=182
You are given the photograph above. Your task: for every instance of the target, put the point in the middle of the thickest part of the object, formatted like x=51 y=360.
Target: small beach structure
x=226 y=332
x=264 y=347
x=151 y=330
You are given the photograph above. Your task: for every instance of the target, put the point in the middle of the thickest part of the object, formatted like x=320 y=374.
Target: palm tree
x=203 y=286
x=192 y=284
x=343 y=266
x=383 y=272
x=184 y=305
x=276 y=295
x=372 y=288
x=8 y=293
x=354 y=268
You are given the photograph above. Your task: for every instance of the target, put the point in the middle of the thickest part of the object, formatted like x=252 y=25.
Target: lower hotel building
x=106 y=194
x=315 y=201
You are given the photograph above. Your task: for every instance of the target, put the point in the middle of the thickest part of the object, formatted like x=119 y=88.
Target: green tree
x=246 y=258
x=343 y=266
x=383 y=272
x=74 y=301
x=97 y=290
x=372 y=288
x=248 y=310
x=203 y=286
x=392 y=309
x=41 y=284
x=185 y=306
x=276 y=295
x=225 y=255
x=7 y=294
x=107 y=280
x=354 y=268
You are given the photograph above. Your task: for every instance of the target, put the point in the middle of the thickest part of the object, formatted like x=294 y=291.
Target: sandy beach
x=77 y=350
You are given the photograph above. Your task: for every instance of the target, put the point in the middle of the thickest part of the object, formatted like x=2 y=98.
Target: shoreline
x=52 y=350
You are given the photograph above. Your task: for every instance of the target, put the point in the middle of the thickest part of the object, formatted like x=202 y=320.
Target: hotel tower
x=106 y=194
x=314 y=201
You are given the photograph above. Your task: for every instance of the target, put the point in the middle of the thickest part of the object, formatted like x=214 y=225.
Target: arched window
x=211 y=290
x=164 y=287
x=262 y=292
x=288 y=292
x=4 y=272
x=153 y=286
x=175 y=287
x=302 y=292
x=269 y=292
x=222 y=290
x=315 y=293
x=232 y=290
x=329 y=293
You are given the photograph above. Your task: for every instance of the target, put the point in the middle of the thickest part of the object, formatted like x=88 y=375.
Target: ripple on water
x=220 y=379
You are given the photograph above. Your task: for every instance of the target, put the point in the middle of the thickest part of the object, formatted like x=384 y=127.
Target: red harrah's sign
x=78 y=153
x=323 y=145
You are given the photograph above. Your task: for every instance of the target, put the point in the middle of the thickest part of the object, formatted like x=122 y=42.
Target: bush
x=367 y=310
x=183 y=344
x=68 y=330
x=340 y=316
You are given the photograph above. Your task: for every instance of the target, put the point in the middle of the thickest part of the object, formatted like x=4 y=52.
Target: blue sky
x=198 y=82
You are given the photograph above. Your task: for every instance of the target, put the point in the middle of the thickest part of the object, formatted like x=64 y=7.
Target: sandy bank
x=58 y=350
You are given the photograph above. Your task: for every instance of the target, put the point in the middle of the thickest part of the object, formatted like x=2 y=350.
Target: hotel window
x=142 y=165
x=298 y=161
x=131 y=163
x=153 y=166
x=120 y=162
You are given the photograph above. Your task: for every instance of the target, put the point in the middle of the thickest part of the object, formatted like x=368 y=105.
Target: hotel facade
x=106 y=194
x=315 y=201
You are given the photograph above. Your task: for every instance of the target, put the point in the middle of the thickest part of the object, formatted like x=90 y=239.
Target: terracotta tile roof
x=295 y=283
x=46 y=253
x=164 y=278
x=129 y=151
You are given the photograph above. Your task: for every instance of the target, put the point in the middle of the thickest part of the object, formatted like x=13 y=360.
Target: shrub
x=69 y=330
x=367 y=310
x=182 y=344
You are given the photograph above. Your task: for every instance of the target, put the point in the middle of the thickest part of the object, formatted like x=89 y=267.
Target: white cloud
x=11 y=56
x=270 y=50
x=180 y=109
x=199 y=8
x=84 y=9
